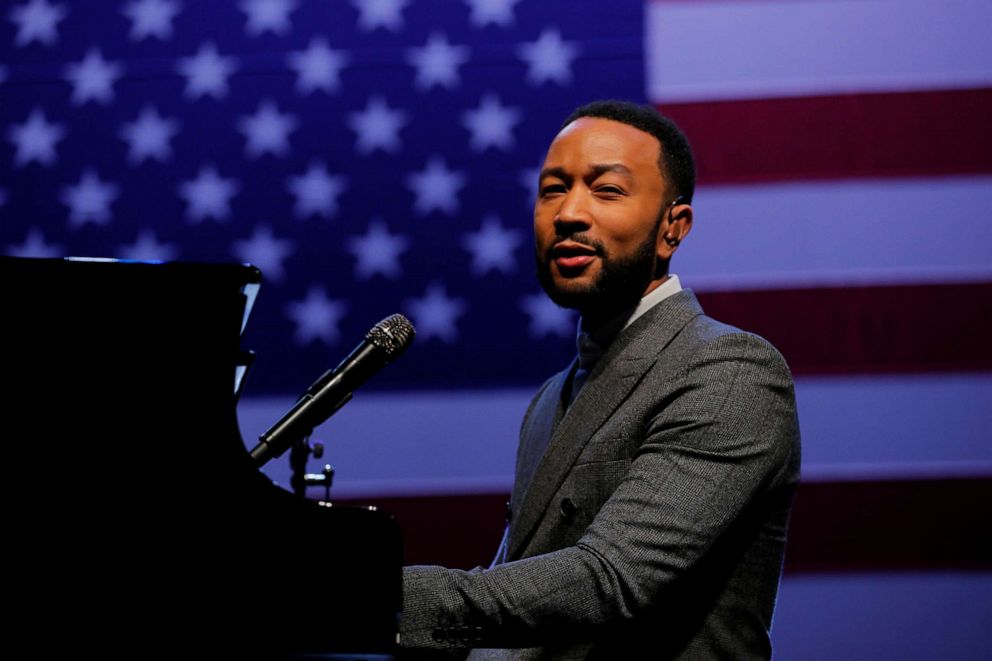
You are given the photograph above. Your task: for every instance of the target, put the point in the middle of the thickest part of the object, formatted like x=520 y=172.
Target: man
x=654 y=476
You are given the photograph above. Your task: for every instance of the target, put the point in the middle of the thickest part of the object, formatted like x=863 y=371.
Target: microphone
x=384 y=342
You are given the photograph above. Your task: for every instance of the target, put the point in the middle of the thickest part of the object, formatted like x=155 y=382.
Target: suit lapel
x=616 y=374
x=536 y=435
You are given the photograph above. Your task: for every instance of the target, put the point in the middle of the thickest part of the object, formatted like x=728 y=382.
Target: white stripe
x=870 y=276
x=910 y=616
x=938 y=470
x=411 y=487
x=830 y=233
x=465 y=442
x=409 y=442
x=905 y=424
x=698 y=51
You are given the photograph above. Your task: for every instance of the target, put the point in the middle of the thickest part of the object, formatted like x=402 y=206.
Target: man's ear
x=674 y=228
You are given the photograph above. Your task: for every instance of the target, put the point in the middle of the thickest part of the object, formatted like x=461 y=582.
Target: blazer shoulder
x=710 y=338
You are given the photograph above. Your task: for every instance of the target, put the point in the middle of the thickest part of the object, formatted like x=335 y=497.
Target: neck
x=605 y=322
x=597 y=317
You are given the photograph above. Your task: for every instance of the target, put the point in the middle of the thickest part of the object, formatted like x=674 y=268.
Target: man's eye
x=609 y=190
x=552 y=189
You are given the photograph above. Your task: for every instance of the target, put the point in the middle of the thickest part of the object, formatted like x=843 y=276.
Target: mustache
x=581 y=238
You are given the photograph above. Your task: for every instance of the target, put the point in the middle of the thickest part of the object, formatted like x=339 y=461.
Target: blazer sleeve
x=716 y=440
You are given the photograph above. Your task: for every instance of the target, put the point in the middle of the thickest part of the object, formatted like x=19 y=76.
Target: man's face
x=597 y=215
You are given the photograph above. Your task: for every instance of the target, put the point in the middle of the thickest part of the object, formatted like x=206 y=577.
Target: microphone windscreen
x=393 y=335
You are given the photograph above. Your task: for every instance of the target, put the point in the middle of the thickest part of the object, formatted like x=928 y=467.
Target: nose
x=573 y=214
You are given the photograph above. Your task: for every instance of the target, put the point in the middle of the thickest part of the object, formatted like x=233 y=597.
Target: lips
x=569 y=255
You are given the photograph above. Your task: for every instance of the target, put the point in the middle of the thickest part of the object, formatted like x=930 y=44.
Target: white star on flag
x=266 y=251
x=148 y=136
x=316 y=191
x=437 y=62
x=380 y=14
x=548 y=58
x=377 y=251
x=147 y=248
x=151 y=18
x=436 y=187
x=318 y=67
x=92 y=78
x=37 y=20
x=497 y=12
x=89 y=200
x=435 y=313
x=35 y=246
x=206 y=72
x=267 y=15
x=491 y=124
x=208 y=195
x=377 y=127
x=267 y=131
x=317 y=317
x=35 y=139
x=493 y=247
x=546 y=318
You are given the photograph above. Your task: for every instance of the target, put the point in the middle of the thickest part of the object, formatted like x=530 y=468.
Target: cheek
x=630 y=226
x=544 y=226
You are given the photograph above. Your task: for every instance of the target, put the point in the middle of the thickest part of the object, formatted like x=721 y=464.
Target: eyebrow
x=619 y=168
x=554 y=172
x=595 y=171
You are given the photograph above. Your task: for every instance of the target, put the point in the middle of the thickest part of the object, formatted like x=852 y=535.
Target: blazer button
x=568 y=509
x=509 y=511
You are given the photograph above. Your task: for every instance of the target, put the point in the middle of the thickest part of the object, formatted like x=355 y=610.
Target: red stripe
x=461 y=531
x=839 y=526
x=868 y=330
x=841 y=136
x=891 y=525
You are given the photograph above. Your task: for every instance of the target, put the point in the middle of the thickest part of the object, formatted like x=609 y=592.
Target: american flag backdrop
x=369 y=157
x=380 y=156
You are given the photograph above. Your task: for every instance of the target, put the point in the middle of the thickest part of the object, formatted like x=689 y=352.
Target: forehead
x=593 y=140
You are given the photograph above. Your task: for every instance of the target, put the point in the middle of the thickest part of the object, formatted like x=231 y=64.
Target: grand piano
x=137 y=523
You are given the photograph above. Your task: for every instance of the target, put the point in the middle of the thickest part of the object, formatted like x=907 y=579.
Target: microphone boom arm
x=387 y=340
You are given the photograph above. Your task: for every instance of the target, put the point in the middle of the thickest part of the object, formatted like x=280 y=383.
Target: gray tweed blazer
x=649 y=519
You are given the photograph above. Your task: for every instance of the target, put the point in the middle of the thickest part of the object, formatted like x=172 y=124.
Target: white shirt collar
x=669 y=287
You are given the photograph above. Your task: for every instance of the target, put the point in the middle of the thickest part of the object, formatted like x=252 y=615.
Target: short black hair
x=677 y=165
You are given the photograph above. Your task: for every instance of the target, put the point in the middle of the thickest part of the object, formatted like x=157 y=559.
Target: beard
x=620 y=283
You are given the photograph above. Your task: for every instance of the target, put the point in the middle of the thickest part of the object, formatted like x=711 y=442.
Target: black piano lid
x=136 y=522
